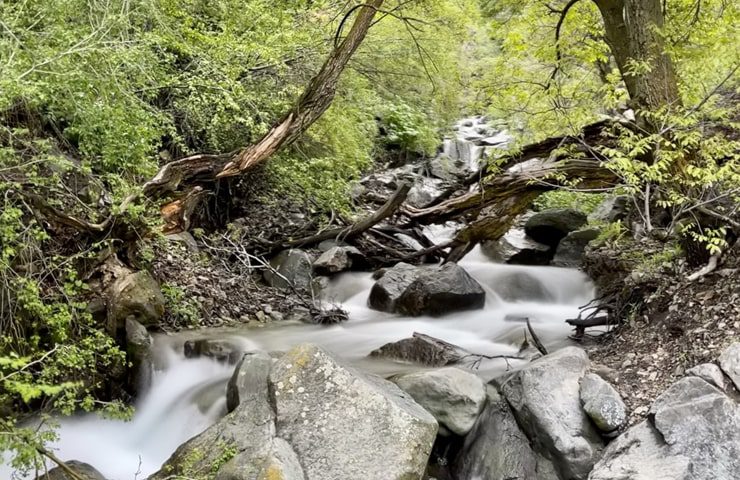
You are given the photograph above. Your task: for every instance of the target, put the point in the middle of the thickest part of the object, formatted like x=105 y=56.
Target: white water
x=188 y=395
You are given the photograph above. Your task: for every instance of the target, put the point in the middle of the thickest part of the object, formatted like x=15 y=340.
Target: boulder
x=134 y=294
x=338 y=259
x=421 y=349
x=545 y=398
x=640 y=454
x=710 y=373
x=692 y=432
x=253 y=368
x=138 y=352
x=425 y=190
x=569 y=253
x=185 y=239
x=279 y=462
x=729 y=360
x=520 y=286
x=495 y=449
x=517 y=249
x=217 y=349
x=83 y=471
x=701 y=423
x=455 y=397
x=345 y=424
x=291 y=267
x=426 y=290
x=248 y=433
x=551 y=226
x=612 y=209
x=602 y=403
x=455 y=167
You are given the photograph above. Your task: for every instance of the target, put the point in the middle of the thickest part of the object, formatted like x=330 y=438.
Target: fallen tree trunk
x=346 y=233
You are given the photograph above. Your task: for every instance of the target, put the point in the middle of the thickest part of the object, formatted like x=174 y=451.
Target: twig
x=536 y=339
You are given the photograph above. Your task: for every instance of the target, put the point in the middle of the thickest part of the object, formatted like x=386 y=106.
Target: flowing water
x=187 y=395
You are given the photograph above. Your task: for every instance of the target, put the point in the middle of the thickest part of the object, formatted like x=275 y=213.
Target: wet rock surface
x=421 y=349
x=551 y=226
x=453 y=396
x=545 y=398
x=432 y=291
x=602 y=403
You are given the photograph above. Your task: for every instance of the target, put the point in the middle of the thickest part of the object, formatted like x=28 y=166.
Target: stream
x=188 y=395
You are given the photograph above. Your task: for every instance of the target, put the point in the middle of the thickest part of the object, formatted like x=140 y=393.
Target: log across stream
x=188 y=394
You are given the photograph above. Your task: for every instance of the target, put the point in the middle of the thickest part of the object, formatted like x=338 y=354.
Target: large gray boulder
x=700 y=422
x=516 y=248
x=83 y=471
x=551 y=226
x=425 y=190
x=139 y=354
x=344 y=424
x=426 y=290
x=455 y=397
x=495 y=449
x=338 y=259
x=248 y=433
x=545 y=398
x=612 y=209
x=602 y=403
x=290 y=267
x=134 y=294
x=216 y=348
x=692 y=432
x=252 y=369
x=569 y=253
x=640 y=454
x=518 y=286
x=710 y=373
x=730 y=363
x=421 y=349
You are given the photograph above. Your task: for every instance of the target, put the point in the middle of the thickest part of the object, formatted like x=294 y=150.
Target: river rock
x=516 y=248
x=693 y=432
x=426 y=290
x=138 y=351
x=551 y=226
x=519 y=286
x=337 y=259
x=602 y=403
x=569 y=253
x=291 y=267
x=253 y=368
x=455 y=397
x=247 y=433
x=495 y=449
x=640 y=454
x=421 y=349
x=134 y=294
x=425 y=190
x=612 y=209
x=344 y=424
x=448 y=168
x=701 y=423
x=730 y=363
x=710 y=373
x=217 y=349
x=545 y=398
x=83 y=470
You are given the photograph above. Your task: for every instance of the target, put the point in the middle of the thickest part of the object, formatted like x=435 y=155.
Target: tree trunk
x=633 y=33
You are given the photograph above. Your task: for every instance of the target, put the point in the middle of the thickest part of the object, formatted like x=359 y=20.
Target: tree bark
x=633 y=34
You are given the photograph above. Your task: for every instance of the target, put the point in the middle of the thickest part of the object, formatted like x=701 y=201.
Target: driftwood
x=358 y=228
x=582 y=324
